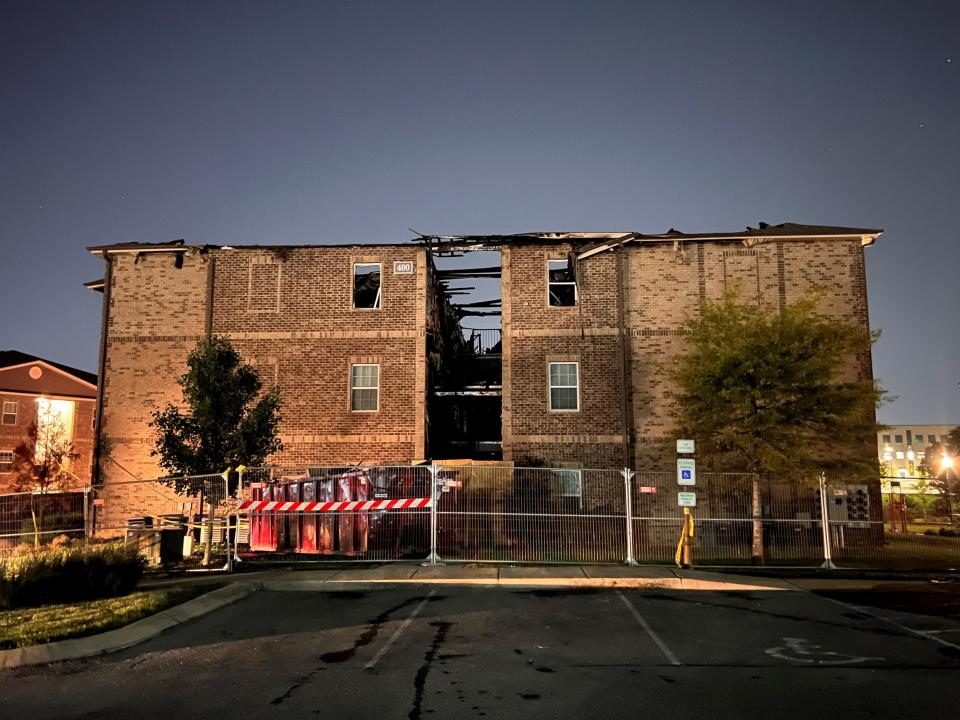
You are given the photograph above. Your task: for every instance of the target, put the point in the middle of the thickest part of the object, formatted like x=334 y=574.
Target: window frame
x=4 y=413
x=353 y=388
x=6 y=462
x=353 y=285
x=551 y=387
x=578 y=472
x=576 y=291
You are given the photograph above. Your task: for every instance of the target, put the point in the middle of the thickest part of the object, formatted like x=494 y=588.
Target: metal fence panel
x=531 y=515
x=35 y=519
x=170 y=519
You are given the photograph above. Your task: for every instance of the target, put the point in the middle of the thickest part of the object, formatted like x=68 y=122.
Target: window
x=561 y=284
x=931 y=439
x=6 y=461
x=55 y=420
x=366 y=286
x=364 y=388
x=570 y=484
x=9 y=412
x=899 y=454
x=898 y=438
x=886 y=438
x=564 y=386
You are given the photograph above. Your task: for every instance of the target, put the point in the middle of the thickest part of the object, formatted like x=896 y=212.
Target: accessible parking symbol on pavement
x=803 y=651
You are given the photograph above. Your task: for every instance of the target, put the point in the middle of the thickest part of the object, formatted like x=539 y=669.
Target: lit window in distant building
x=54 y=424
x=902 y=472
x=911 y=456
x=899 y=454
x=898 y=439
x=887 y=454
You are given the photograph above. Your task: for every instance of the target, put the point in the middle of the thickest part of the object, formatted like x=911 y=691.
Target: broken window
x=366 y=286
x=561 y=284
x=364 y=388
x=564 y=386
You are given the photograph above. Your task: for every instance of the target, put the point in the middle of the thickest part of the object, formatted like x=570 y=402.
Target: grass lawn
x=32 y=626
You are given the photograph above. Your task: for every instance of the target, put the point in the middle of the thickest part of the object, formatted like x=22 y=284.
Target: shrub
x=69 y=574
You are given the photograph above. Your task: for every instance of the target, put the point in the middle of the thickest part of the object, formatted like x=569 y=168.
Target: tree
x=40 y=464
x=769 y=392
x=941 y=461
x=227 y=421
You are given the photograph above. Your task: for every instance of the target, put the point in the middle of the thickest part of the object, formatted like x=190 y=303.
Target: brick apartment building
x=365 y=341
x=34 y=390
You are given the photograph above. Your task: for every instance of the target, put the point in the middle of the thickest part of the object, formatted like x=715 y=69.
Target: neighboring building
x=366 y=345
x=35 y=390
x=902 y=448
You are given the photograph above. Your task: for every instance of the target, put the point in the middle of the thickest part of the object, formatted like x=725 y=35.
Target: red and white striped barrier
x=279 y=506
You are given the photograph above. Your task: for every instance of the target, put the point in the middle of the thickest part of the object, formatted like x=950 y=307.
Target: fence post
x=628 y=494
x=825 y=525
x=232 y=548
x=86 y=516
x=433 y=558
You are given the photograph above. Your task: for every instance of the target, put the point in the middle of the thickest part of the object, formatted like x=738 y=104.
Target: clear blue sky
x=315 y=122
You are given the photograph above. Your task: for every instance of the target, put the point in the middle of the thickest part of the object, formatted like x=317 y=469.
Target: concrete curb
x=627 y=583
x=127 y=635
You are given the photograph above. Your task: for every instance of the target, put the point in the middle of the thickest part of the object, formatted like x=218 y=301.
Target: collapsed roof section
x=591 y=243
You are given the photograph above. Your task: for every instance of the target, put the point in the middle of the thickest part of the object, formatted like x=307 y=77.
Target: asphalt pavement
x=415 y=651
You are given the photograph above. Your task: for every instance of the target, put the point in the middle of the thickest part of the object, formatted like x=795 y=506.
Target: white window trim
x=352 y=388
x=4 y=413
x=10 y=462
x=353 y=285
x=551 y=386
x=576 y=291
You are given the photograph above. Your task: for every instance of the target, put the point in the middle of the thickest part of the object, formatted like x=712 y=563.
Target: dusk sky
x=331 y=122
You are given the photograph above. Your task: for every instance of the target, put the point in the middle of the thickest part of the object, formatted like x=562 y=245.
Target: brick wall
x=289 y=312
x=536 y=334
x=662 y=285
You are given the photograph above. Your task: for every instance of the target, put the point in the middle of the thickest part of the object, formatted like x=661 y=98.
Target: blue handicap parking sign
x=685 y=474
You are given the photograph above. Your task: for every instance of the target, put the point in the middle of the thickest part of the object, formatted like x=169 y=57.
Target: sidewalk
x=483 y=575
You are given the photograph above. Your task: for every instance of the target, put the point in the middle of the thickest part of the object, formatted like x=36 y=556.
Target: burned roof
x=588 y=242
x=592 y=242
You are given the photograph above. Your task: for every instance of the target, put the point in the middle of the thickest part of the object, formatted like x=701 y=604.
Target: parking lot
x=440 y=651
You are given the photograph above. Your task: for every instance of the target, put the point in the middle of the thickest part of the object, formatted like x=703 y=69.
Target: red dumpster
x=308 y=521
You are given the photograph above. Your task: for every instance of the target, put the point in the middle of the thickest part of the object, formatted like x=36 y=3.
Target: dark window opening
x=366 y=286
x=562 y=284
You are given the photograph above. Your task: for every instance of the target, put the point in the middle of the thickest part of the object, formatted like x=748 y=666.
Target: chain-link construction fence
x=482 y=513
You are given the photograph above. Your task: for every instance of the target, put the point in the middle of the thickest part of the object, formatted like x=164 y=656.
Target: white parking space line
x=399 y=631
x=926 y=634
x=667 y=653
